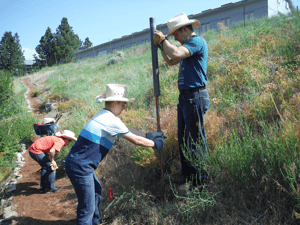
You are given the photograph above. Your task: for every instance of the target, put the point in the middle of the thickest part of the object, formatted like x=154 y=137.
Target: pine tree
x=66 y=42
x=87 y=44
x=46 y=49
x=11 y=55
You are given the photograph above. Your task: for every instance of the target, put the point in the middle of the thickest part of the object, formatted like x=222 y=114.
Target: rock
x=23 y=148
x=6 y=201
x=121 y=54
x=19 y=157
x=11 y=188
x=9 y=213
x=18 y=176
x=114 y=60
x=51 y=107
x=20 y=164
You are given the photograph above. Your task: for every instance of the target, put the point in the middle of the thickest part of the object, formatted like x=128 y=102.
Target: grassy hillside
x=15 y=122
x=253 y=129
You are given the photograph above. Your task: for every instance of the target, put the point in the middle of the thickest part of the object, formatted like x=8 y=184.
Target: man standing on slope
x=94 y=142
x=193 y=98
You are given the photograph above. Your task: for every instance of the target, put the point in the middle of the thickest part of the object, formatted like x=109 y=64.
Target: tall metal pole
x=157 y=94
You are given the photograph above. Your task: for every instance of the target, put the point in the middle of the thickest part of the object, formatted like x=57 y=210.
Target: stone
x=9 y=213
x=51 y=107
x=11 y=188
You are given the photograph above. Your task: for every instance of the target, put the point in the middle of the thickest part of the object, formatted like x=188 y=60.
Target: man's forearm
x=168 y=53
x=51 y=154
x=167 y=59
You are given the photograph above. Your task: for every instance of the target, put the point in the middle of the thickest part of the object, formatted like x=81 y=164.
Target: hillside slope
x=253 y=129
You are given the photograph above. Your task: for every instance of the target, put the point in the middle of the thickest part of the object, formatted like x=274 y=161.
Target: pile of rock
x=9 y=185
x=116 y=59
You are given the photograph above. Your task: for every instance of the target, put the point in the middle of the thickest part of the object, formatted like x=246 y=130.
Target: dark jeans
x=88 y=190
x=47 y=174
x=191 y=134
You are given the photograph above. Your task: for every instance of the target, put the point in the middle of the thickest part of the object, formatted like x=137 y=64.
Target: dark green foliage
x=86 y=44
x=15 y=124
x=45 y=50
x=5 y=85
x=66 y=42
x=11 y=55
x=58 y=47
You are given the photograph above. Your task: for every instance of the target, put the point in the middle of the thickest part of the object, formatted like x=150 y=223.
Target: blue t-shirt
x=192 y=70
x=94 y=142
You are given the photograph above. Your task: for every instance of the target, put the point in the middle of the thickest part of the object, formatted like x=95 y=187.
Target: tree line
x=53 y=48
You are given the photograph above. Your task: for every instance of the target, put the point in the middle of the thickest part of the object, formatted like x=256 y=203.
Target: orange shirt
x=44 y=144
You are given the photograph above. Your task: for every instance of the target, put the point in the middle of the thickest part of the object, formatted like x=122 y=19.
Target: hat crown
x=116 y=90
x=68 y=134
x=178 y=19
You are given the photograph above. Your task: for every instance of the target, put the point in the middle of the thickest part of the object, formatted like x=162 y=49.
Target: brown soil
x=35 y=208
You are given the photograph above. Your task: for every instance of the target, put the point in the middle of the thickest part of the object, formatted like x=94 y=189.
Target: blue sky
x=99 y=20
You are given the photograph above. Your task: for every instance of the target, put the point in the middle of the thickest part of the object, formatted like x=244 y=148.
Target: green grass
x=15 y=126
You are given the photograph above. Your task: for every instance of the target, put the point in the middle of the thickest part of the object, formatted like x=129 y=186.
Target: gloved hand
x=159 y=143
x=154 y=135
x=158 y=37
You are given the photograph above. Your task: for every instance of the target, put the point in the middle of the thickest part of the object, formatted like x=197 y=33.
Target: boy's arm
x=51 y=157
x=138 y=140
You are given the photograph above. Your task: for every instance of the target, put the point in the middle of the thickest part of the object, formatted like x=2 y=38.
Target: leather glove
x=158 y=37
x=159 y=144
x=154 y=135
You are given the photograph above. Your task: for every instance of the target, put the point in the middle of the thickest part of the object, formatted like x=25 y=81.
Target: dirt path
x=35 y=208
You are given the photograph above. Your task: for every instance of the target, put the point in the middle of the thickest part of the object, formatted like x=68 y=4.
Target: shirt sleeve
x=193 y=45
x=58 y=144
x=117 y=128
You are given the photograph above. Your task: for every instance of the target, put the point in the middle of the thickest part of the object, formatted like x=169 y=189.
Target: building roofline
x=205 y=12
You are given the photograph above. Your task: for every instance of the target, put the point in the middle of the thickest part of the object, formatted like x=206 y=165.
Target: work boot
x=54 y=190
x=43 y=191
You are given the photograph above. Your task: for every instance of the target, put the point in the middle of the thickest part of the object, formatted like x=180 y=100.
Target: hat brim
x=101 y=98
x=194 y=22
x=58 y=134
x=70 y=138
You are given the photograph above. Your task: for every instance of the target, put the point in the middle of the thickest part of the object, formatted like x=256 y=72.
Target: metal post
x=156 y=93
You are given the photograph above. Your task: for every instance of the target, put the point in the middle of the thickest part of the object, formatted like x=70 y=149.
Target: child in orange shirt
x=43 y=151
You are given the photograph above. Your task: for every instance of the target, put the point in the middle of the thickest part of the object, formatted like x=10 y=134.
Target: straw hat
x=114 y=92
x=179 y=21
x=67 y=134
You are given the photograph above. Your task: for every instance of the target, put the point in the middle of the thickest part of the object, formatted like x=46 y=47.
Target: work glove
x=158 y=38
x=154 y=135
x=159 y=143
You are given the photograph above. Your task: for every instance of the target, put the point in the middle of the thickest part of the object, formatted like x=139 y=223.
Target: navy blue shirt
x=192 y=70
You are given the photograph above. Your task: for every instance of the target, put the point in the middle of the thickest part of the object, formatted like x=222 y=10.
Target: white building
x=228 y=14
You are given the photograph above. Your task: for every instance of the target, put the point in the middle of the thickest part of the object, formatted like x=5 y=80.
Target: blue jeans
x=88 y=190
x=191 y=134
x=47 y=174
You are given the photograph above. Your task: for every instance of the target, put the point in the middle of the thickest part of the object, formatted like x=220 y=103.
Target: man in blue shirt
x=94 y=142
x=193 y=98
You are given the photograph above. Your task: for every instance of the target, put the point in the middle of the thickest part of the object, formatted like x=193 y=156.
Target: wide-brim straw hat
x=67 y=134
x=114 y=92
x=179 y=21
